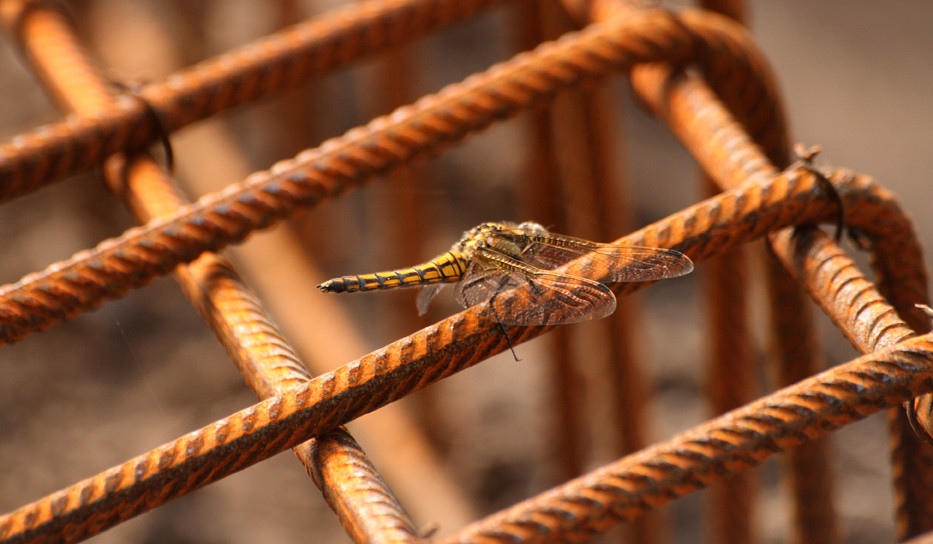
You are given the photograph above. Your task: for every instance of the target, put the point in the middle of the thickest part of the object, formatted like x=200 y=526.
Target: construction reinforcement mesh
x=247 y=151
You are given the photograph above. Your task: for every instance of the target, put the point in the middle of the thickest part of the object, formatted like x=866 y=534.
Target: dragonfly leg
x=495 y=313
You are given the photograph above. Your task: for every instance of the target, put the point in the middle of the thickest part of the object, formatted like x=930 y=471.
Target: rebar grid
x=39 y=300
x=266 y=360
x=761 y=201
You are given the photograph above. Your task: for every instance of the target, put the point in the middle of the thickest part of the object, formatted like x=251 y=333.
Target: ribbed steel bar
x=741 y=75
x=725 y=445
x=566 y=429
x=268 y=65
x=870 y=320
x=66 y=288
x=269 y=364
x=870 y=323
x=409 y=364
x=731 y=381
x=731 y=375
x=724 y=150
x=365 y=505
x=352 y=486
x=396 y=444
x=834 y=281
x=368 y=510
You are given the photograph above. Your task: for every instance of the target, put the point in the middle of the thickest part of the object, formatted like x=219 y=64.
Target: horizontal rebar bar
x=268 y=65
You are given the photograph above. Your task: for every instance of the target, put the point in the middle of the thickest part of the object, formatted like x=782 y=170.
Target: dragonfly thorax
x=488 y=235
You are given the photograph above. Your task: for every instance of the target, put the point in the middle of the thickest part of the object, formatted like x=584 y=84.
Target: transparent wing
x=426 y=295
x=610 y=263
x=550 y=298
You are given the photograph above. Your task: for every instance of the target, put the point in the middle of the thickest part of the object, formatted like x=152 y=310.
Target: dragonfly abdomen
x=448 y=268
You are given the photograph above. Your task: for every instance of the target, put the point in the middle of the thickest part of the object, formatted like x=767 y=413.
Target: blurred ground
x=144 y=369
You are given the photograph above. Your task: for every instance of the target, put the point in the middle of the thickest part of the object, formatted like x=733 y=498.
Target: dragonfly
x=494 y=258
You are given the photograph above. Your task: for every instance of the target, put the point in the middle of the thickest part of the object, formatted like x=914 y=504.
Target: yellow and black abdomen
x=448 y=268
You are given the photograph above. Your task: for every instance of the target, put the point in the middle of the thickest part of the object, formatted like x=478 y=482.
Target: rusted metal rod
x=268 y=363
x=833 y=280
x=67 y=288
x=726 y=151
x=268 y=65
x=762 y=201
x=725 y=445
x=409 y=364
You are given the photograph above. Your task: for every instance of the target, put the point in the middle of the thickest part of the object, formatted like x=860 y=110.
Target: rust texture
x=271 y=65
x=697 y=71
x=733 y=442
x=268 y=363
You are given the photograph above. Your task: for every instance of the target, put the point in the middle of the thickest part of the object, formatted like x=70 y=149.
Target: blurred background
x=144 y=369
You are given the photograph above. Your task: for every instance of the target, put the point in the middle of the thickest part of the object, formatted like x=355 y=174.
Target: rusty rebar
x=271 y=64
x=267 y=362
x=422 y=358
x=566 y=432
x=869 y=320
x=725 y=151
x=731 y=358
x=794 y=357
x=731 y=381
x=833 y=280
x=821 y=403
x=725 y=445
x=732 y=366
x=64 y=289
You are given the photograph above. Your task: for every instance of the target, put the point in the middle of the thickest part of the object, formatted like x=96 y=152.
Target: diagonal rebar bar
x=725 y=445
x=282 y=60
x=268 y=363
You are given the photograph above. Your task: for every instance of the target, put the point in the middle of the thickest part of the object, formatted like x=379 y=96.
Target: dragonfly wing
x=426 y=295
x=481 y=283
x=635 y=263
x=555 y=299
x=552 y=298
x=614 y=263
